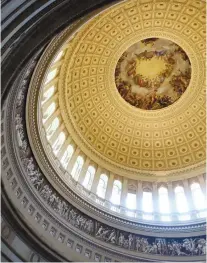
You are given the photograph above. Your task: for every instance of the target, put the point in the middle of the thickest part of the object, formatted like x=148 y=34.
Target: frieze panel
x=151 y=245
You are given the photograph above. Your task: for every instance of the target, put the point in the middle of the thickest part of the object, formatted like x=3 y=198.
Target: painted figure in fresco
x=138 y=244
x=55 y=203
x=112 y=237
x=89 y=226
x=51 y=199
x=130 y=237
x=160 y=53
x=38 y=183
x=201 y=246
x=45 y=190
x=168 y=85
x=170 y=249
x=177 y=249
x=104 y=234
x=145 y=243
x=29 y=166
x=149 y=41
x=189 y=245
x=60 y=207
x=126 y=243
x=121 y=240
x=84 y=224
x=72 y=216
x=100 y=231
x=159 y=247
x=155 y=248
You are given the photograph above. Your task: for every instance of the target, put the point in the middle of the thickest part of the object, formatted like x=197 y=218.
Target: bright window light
x=77 y=168
x=131 y=213
x=116 y=192
x=51 y=75
x=87 y=183
x=101 y=189
x=59 y=142
x=147 y=205
x=198 y=196
x=67 y=156
x=163 y=200
x=115 y=209
x=59 y=55
x=181 y=201
x=49 y=111
x=52 y=127
x=165 y=218
x=131 y=201
x=47 y=94
x=202 y=214
x=184 y=217
x=147 y=217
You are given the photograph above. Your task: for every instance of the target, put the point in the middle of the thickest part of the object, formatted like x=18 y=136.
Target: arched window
x=198 y=196
x=49 y=111
x=51 y=75
x=163 y=200
x=101 y=189
x=147 y=205
x=87 y=183
x=67 y=156
x=131 y=201
x=59 y=142
x=181 y=201
x=52 y=127
x=47 y=94
x=116 y=192
x=77 y=168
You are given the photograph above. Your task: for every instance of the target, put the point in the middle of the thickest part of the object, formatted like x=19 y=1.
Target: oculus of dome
x=152 y=74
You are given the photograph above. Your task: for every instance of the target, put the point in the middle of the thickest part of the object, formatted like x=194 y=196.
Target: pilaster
x=109 y=187
x=172 y=202
x=139 y=194
x=72 y=160
x=96 y=180
x=51 y=118
x=83 y=171
x=124 y=192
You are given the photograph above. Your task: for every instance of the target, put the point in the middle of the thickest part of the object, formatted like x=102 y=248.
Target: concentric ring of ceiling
x=114 y=134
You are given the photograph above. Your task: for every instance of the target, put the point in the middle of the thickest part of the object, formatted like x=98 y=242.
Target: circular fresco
x=153 y=73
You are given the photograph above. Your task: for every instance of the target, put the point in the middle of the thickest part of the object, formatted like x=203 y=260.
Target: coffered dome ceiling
x=125 y=139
